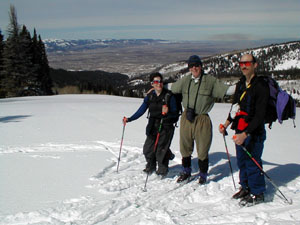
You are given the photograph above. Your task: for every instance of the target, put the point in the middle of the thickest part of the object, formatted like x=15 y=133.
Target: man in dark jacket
x=160 y=129
x=247 y=117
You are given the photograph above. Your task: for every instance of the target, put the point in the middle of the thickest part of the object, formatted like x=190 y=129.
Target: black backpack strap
x=168 y=97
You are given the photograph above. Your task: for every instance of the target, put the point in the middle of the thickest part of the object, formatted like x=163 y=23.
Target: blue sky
x=158 y=19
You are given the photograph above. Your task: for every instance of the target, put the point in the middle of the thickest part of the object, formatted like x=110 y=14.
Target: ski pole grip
x=223 y=127
x=124 y=120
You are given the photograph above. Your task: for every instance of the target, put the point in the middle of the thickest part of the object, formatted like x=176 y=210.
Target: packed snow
x=58 y=162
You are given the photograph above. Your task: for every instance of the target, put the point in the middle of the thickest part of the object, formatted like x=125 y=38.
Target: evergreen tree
x=29 y=82
x=41 y=61
x=24 y=68
x=1 y=49
x=1 y=63
x=12 y=76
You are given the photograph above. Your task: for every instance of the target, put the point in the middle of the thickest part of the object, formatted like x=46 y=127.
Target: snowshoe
x=162 y=172
x=183 y=177
x=149 y=170
x=202 y=179
x=250 y=200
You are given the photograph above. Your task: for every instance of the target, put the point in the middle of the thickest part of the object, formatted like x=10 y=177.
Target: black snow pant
x=162 y=152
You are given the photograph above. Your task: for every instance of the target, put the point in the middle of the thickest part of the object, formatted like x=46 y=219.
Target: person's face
x=195 y=69
x=157 y=84
x=247 y=65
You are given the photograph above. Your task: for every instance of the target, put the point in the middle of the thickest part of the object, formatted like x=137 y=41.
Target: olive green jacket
x=211 y=88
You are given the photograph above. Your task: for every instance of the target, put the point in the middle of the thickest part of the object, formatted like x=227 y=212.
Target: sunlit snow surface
x=58 y=160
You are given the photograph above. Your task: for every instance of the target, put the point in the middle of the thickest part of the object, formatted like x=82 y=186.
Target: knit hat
x=194 y=59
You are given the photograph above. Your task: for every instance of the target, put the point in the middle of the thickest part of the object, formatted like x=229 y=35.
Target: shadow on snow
x=280 y=174
x=17 y=118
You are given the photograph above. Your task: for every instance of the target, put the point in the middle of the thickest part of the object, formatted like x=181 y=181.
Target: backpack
x=281 y=105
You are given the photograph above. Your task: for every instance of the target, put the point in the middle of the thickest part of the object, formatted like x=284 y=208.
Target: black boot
x=184 y=175
x=241 y=193
x=163 y=171
x=202 y=178
x=150 y=166
x=203 y=167
x=251 y=199
x=186 y=172
x=149 y=170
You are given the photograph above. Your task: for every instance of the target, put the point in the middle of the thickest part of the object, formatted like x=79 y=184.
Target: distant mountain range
x=62 y=45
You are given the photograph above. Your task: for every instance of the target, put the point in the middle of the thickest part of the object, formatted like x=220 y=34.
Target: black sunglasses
x=191 y=65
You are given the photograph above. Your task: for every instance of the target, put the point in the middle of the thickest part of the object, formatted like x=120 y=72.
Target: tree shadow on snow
x=17 y=118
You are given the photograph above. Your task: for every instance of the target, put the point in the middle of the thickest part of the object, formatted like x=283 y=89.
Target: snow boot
x=149 y=170
x=150 y=167
x=251 y=199
x=184 y=175
x=186 y=172
x=162 y=172
x=241 y=193
x=202 y=179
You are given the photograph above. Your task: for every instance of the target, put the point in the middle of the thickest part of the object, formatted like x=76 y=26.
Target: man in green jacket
x=199 y=92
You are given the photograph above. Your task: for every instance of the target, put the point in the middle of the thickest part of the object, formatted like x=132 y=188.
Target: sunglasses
x=245 y=63
x=191 y=65
x=156 y=82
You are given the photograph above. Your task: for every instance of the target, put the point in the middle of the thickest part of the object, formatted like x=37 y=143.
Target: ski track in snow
x=122 y=200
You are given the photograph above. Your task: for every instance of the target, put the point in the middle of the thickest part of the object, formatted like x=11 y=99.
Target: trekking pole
x=224 y=134
x=271 y=181
x=121 y=145
x=155 y=146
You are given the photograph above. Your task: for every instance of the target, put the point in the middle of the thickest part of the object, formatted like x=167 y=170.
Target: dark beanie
x=194 y=59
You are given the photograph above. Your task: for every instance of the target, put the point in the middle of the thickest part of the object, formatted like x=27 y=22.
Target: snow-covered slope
x=58 y=158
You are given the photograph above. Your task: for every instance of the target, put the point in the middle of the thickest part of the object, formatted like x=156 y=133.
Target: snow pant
x=250 y=175
x=199 y=132
x=162 y=152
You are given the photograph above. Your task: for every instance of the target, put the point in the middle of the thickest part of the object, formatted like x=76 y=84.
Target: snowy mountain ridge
x=271 y=58
x=280 y=60
x=62 y=45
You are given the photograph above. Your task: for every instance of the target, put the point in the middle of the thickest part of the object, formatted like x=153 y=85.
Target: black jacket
x=254 y=103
